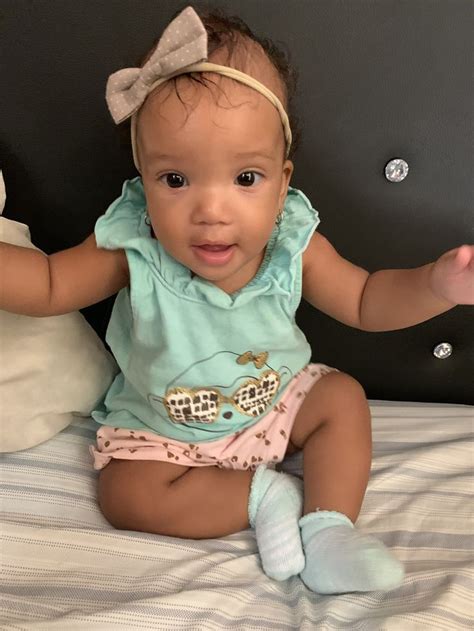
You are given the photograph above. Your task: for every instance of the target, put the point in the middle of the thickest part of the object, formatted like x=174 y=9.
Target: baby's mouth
x=214 y=253
x=220 y=247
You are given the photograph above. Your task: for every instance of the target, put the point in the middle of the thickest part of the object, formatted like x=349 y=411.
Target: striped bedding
x=63 y=567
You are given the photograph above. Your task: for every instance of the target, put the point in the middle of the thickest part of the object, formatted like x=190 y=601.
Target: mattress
x=63 y=566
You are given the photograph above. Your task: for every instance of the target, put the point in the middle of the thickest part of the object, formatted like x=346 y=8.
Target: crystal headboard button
x=396 y=170
x=443 y=350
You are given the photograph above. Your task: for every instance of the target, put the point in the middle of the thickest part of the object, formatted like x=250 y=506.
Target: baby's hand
x=452 y=276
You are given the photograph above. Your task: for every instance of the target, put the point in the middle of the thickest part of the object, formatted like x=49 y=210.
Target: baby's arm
x=386 y=300
x=34 y=284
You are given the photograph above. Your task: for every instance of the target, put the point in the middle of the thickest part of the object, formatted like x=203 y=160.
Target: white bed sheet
x=63 y=566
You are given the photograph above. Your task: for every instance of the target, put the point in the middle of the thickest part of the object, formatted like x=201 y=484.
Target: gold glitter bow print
x=259 y=360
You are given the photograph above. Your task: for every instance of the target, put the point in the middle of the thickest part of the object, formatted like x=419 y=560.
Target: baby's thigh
x=334 y=396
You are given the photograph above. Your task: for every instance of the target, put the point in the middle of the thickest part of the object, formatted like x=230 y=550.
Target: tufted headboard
x=379 y=80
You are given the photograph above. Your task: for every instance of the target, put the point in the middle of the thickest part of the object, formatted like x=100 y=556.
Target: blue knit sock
x=275 y=507
x=340 y=559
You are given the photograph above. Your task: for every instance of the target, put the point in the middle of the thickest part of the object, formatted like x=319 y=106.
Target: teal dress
x=196 y=363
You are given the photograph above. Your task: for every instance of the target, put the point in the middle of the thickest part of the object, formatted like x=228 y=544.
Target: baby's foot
x=340 y=559
x=275 y=507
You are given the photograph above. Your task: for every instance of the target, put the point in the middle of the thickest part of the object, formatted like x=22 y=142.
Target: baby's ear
x=287 y=172
x=3 y=193
x=288 y=168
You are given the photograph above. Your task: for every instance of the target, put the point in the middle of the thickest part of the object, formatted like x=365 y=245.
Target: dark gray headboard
x=379 y=79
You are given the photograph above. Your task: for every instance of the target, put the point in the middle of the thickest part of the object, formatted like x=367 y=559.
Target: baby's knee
x=118 y=499
x=334 y=399
x=342 y=384
x=335 y=390
x=129 y=501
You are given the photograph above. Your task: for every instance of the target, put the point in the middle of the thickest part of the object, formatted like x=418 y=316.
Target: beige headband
x=182 y=48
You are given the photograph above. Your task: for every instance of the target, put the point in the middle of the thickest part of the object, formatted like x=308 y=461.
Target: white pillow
x=50 y=368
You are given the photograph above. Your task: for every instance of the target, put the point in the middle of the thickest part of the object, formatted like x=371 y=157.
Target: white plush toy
x=50 y=368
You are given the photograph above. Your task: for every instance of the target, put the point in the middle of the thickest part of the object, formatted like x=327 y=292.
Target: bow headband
x=182 y=48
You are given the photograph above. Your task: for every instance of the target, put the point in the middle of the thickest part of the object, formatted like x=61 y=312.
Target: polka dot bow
x=182 y=48
x=183 y=43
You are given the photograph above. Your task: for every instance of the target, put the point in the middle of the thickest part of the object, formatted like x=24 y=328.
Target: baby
x=211 y=250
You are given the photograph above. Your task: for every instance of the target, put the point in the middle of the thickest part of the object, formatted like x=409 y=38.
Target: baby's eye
x=247 y=178
x=174 y=180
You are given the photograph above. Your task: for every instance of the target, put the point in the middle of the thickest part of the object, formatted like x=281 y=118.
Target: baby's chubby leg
x=174 y=500
x=333 y=427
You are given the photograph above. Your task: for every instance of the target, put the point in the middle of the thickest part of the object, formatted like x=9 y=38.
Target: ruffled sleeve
x=123 y=221
x=123 y=226
x=283 y=273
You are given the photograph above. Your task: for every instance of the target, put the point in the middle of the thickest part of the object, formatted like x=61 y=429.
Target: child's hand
x=452 y=276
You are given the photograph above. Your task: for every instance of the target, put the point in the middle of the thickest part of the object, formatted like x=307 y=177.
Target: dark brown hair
x=228 y=32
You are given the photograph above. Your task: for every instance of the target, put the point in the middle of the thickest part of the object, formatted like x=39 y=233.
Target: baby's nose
x=211 y=207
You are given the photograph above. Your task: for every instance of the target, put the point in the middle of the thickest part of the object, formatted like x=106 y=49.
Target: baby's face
x=201 y=188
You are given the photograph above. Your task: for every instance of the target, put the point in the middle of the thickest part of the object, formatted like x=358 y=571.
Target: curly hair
x=230 y=34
